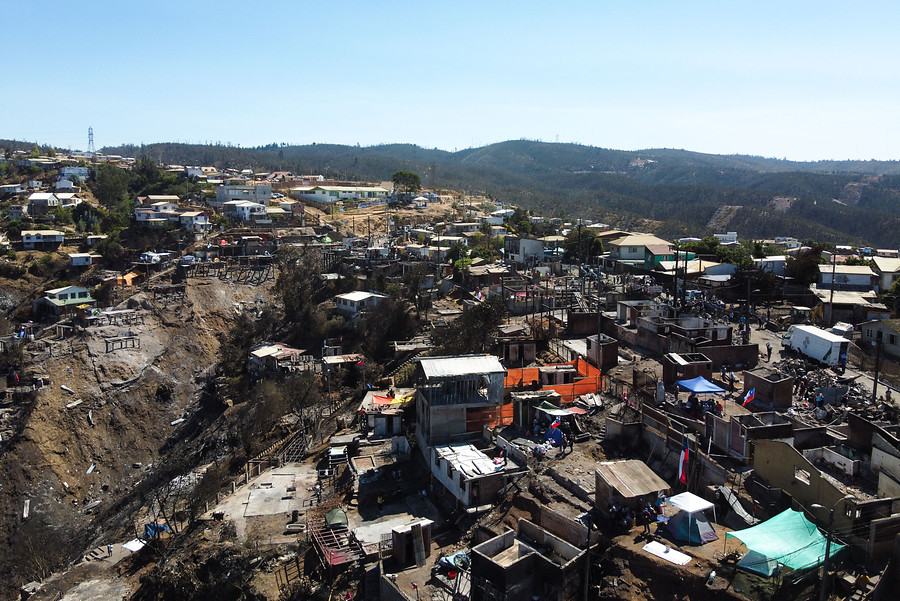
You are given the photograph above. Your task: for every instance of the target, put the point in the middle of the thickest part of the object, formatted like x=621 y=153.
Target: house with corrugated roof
x=60 y=301
x=888 y=271
x=41 y=203
x=42 y=239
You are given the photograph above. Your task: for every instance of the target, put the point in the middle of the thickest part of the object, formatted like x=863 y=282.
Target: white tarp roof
x=689 y=502
x=460 y=365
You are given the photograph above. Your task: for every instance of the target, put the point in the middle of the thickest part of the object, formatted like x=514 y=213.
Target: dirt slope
x=97 y=450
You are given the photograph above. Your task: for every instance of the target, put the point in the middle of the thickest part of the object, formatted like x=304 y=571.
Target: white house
x=196 y=221
x=65 y=184
x=523 y=250
x=244 y=210
x=332 y=194
x=41 y=203
x=860 y=278
x=632 y=248
x=82 y=173
x=12 y=189
x=41 y=239
x=788 y=242
x=83 y=259
x=726 y=238
x=163 y=204
x=773 y=264
x=352 y=303
x=59 y=300
x=887 y=268
x=68 y=199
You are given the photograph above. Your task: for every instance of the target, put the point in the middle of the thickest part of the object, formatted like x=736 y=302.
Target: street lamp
x=823 y=589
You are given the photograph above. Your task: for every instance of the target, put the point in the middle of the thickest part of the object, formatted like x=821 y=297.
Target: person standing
x=768 y=351
x=646 y=518
x=109 y=550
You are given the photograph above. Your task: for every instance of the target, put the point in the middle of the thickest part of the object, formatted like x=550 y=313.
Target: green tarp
x=788 y=538
x=336 y=517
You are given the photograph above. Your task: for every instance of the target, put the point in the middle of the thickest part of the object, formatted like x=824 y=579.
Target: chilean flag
x=555 y=424
x=682 y=465
x=749 y=398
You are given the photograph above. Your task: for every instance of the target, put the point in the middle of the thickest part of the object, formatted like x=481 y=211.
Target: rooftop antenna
x=91 y=150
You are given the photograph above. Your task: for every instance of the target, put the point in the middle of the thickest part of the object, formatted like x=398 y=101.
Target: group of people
x=622 y=517
x=696 y=408
x=567 y=440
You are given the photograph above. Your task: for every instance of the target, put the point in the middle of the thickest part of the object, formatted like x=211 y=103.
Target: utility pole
x=829 y=534
x=675 y=287
x=831 y=299
x=879 y=341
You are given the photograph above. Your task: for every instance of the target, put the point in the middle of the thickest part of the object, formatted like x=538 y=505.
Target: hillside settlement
x=236 y=385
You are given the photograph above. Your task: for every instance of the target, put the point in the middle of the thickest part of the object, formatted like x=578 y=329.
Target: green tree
x=407 y=181
x=110 y=185
x=35 y=152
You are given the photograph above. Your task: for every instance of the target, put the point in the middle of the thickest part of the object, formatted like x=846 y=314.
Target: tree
x=301 y=290
x=407 y=181
x=111 y=185
x=389 y=320
x=805 y=266
x=471 y=332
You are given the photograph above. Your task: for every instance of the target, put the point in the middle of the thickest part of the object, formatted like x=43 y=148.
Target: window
x=801 y=475
x=449 y=470
x=893 y=339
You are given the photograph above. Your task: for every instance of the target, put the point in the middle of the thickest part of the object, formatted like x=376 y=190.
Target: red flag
x=682 y=465
x=360 y=362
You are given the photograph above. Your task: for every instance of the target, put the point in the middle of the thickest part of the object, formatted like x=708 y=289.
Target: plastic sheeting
x=788 y=538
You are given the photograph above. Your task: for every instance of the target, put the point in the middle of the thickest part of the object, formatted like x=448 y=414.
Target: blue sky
x=801 y=80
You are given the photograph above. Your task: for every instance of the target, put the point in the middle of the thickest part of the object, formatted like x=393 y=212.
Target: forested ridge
x=670 y=192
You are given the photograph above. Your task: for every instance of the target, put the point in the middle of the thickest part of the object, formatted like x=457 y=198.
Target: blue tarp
x=555 y=435
x=152 y=531
x=700 y=385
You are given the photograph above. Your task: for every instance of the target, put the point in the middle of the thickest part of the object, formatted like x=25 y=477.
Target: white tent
x=690 y=524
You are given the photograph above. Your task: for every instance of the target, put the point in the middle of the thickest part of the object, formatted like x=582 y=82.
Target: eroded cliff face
x=132 y=402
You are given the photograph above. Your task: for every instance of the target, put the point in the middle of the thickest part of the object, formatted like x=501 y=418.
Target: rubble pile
x=828 y=396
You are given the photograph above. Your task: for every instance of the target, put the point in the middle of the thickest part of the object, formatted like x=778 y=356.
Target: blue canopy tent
x=699 y=385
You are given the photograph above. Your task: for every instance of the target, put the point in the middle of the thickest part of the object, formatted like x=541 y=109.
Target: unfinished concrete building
x=603 y=351
x=456 y=396
x=528 y=565
x=685 y=367
x=774 y=389
x=867 y=523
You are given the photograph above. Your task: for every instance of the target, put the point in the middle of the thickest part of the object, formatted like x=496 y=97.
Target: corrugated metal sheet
x=631 y=478
x=468 y=460
x=461 y=365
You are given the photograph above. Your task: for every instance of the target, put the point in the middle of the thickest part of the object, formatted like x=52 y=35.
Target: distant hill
x=670 y=192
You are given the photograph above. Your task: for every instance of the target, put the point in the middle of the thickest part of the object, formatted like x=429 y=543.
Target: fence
x=589 y=380
x=888 y=370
